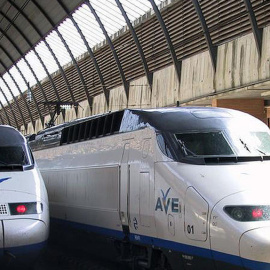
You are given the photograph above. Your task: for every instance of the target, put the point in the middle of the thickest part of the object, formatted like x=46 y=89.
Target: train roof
x=182 y=119
x=10 y=136
x=177 y=119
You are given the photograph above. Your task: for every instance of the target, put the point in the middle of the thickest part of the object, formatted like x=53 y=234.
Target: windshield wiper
x=3 y=163
x=254 y=148
x=186 y=150
x=261 y=151
x=245 y=145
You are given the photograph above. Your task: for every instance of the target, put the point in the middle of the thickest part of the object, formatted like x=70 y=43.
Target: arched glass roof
x=64 y=44
x=62 y=50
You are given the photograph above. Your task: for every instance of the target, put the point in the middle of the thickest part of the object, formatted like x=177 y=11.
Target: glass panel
x=5 y=90
x=26 y=72
x=36 y=65
x=72 y=38
x=19 y=79
x=11 y=84
x=58 y=48
x=46 y=57
x=251 y=143
x=13 y=155
x=204 y=144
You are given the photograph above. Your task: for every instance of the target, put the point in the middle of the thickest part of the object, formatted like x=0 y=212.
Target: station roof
x=74 y=50
x=33 y=30
x=39 y=38
x=16 y=29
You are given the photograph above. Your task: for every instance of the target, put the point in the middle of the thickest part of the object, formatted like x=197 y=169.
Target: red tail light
x=257 y=213
x=21 y=209
x=25 y=208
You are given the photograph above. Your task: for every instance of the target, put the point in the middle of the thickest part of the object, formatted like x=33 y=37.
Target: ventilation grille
x=3 y=209
x=93 y=128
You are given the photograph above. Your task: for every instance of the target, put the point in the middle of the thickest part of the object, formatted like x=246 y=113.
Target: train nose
x=255 y=248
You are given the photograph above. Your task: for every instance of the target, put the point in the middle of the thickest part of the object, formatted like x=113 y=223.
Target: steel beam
x=2 y=121
x=23 y=98
x=2 y=107
x=212 y=49
x=26 y=83
x=90 y=99
x=148 y=74
x=31 y=45
x=109 y=41
x=257 y=32
x=16 y=102
x=91 y=53
x=176 y=62
x=49 y=48
x=13 y=114
x=21 y=94
x=27 y=63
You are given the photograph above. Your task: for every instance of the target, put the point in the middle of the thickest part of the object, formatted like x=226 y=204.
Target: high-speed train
x=24 y=212
x=172 y=188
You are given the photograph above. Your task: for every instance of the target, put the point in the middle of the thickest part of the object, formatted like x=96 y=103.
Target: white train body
x=24 y=214
x=145 y=181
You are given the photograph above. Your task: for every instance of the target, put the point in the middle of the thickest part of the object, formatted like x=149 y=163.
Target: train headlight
x=248 y=213
x=25 y=208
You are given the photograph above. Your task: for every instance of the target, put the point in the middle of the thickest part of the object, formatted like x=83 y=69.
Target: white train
x=24 y=213
x=175 y=188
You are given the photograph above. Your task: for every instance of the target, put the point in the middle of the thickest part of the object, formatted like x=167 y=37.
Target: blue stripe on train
x=182 y=248
x=27 y=249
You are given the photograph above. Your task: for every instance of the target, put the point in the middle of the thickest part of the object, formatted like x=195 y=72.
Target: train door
x=196 y=215
x=124 y=189
x=142 y=189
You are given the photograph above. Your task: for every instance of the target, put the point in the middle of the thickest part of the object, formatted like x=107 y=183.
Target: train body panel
x=148 y=187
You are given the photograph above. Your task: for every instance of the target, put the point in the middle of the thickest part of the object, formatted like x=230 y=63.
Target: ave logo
x=165 y=203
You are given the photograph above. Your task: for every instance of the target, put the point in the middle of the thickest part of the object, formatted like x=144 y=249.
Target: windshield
x=251 y=143
x=204 y=144
x=215 y=143
x=13 y=155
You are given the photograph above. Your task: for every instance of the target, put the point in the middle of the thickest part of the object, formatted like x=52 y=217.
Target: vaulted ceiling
x=63 y=50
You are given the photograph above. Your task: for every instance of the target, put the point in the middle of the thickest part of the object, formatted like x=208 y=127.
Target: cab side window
x=163 y=146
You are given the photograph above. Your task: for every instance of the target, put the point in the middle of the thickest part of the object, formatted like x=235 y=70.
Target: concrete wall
x=140 y=94
x=197 y=78
x=165 y=89
x=238 y=66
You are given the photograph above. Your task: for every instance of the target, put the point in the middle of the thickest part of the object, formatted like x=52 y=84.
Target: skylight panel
x=26 y=72
x=19 y=80
x=72 y=38
x=36 y=65
x=58 y=48
x=111 y=20
x=2 y=99
x=5 y=90
x=46 y=57
x=11 y=84
x=89 y=26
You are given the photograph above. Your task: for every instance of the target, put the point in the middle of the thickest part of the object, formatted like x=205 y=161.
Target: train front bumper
x=255 y=248
x=22 y=239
